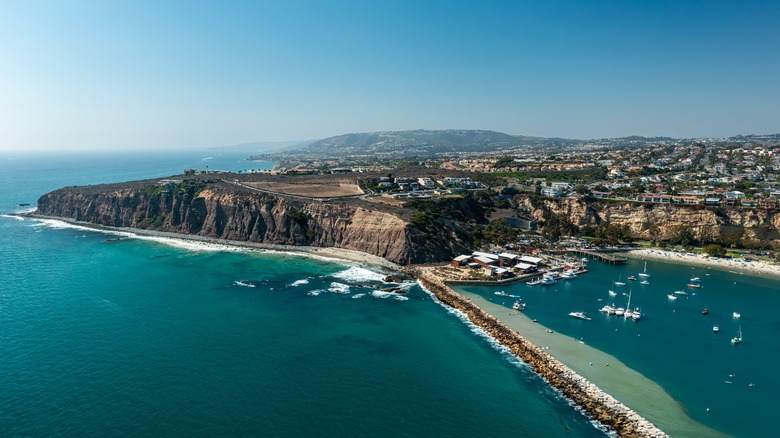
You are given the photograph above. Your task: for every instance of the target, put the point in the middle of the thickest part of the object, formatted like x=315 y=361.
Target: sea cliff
x=218 y=210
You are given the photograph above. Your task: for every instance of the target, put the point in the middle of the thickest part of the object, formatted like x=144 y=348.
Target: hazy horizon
x=145 y=75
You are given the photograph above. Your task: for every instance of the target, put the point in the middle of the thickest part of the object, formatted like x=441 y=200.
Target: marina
x=670 y=332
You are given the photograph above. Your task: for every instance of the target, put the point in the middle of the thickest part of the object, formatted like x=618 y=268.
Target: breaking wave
x=385 y=295
x=300 y=282
x=356 y=274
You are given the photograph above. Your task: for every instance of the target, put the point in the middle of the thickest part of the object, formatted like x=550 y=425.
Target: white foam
x=356 y=274
x=10 y=216
x=338 y=288
x=356 y=296
x=384 y=295
x=244 y=284
x=504 y=350
x=513 y=359
x=314 y=293
x=300 y=282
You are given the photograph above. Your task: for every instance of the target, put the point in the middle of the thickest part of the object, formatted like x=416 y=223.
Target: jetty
x=601 y=406
x=603 y=256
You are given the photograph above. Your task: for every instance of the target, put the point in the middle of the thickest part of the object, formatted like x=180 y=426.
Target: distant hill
x=263 y=146
x=418 y=142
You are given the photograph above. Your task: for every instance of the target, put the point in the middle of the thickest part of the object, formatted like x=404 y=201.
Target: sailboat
x=628 y=313
x=620 y=283
x=644 y=273
x=737 y=339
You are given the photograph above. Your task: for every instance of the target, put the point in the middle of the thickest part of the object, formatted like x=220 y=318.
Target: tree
x=714 y=250
x=582 y=189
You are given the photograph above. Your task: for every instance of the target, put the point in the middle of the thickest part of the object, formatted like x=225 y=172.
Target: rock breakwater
x=600 y=405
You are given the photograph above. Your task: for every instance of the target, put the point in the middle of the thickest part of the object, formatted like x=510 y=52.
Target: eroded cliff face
x=662 y=221
x=256 y=217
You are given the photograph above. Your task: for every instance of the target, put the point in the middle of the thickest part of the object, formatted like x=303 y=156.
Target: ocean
x=111 y=335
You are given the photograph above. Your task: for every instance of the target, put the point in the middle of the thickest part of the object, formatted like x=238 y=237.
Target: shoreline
x=313 y=251
x=602 y=407
x=754 y=267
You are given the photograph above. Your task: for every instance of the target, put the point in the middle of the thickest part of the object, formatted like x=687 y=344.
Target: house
x=460 y=261
x=556 y=192
x=690 y=200
x=712 y=201
x=767 y=203
x=651 y=197
x=508 y=259
x=530 y=260
x=749 y=203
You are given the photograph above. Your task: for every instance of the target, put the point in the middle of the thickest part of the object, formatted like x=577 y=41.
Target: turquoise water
x=103 y=336
x=674 y=344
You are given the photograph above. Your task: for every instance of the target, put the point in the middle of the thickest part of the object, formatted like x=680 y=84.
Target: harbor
x=673 y=344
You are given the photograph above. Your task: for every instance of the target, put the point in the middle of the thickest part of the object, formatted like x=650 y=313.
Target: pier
x=609 y=258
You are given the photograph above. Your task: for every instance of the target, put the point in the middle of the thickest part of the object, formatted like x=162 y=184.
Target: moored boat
x=737 y=339
x=579 y=315
x=644 y=273
x=518 y=305
x=715 y=329
x=672 y=297
x=694 y=285
x=705 y=312
x=736 y=315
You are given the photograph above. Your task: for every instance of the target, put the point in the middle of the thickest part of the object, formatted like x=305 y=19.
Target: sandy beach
x=726 y=264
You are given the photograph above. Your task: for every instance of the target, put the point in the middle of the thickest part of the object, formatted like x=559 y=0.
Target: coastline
x=754 y=267
x=602 y=407
x=312 y=251
x=598 y=404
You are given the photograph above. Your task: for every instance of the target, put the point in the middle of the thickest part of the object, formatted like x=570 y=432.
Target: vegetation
x=714 y=250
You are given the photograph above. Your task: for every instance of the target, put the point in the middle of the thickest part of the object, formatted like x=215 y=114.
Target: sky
x=167 y=75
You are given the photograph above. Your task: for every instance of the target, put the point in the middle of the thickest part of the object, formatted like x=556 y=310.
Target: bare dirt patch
x=326 y=190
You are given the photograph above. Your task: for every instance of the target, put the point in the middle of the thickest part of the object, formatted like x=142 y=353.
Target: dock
x=606 y=257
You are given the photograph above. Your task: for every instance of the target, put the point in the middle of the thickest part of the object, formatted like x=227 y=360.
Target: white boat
x=620 y=311
x=628 y=312
x=736 y=315
x=644 y=273
x=608 y=309
x=579 y=315
x=568 y=275
x=631 y=278
x=695 y=280
x=534 y=282
x=672 y=297
x=620 y=283
x=737 y=339
x=637 y=315
x=501 y=293
x=547 y=281
x=715 y=329
x=518 y=305
x=680 y=292
x=644 y=282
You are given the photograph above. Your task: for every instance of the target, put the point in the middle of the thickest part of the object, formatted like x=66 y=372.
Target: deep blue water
x=102 y=336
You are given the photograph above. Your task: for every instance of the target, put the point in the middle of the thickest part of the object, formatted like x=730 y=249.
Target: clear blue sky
x=168 y=74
